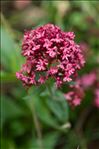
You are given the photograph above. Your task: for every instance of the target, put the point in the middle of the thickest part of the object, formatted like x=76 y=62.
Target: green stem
x=37 y=127
x=36 y=122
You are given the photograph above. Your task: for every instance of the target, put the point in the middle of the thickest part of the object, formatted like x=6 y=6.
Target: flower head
x=49 y=52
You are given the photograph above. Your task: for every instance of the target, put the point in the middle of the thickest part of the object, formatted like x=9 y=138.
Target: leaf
x=8 y=77
x=10 y=52
x=18 y=128
x=57 y=104
x=78 y=19
x=7 y=144
x=43 y=113
x=59 y=108
x=50 y=140
x=9 y=109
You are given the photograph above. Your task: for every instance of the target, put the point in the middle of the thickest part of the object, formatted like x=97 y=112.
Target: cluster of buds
x=50 y=53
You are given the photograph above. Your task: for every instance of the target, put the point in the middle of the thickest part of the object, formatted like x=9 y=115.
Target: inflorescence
x=49 y=52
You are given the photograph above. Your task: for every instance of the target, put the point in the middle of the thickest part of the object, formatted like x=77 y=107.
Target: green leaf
x=18 y=128
x=8 y=77
x=41 y=110
x=59 y=108
x=57 y=104
x=10 y=52
x=6 y=143
x=50 y=140
x=9 y=109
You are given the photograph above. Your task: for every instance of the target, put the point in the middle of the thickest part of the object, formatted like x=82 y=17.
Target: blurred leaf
x=18 y=128
x=78 y=19
x=74 y=140
x=50 y=7
x=58 y=106
x=8 y=77
x=10 y=52
x=41 y=109
x=9 y=109
x=45 y=115
x=50 y=140
x=5 y=143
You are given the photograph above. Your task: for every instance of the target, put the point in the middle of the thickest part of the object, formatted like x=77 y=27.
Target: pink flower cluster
x=87 y=80
x=49 y=52
x=74 y=97
x=82 y=84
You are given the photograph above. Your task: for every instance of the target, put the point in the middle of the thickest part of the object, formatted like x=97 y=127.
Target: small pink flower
x=76 y=101
x=41 y=65
x=52 y=52
x=53 y=71
x=58 y=82
x=18 y=75
x=42 y=80
x=67 y=79
x=73 y=98
x=87 y=80
x=70 y=35
x=47 y=43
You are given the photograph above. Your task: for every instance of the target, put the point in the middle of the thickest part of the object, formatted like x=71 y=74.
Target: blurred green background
x=37 y=119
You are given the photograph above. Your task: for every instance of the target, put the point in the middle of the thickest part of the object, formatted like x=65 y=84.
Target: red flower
x=49 y=46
